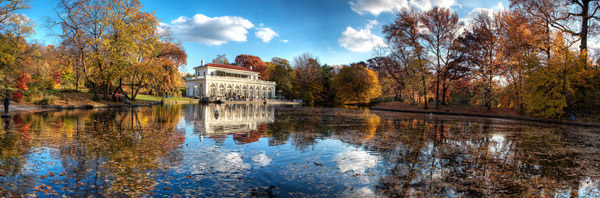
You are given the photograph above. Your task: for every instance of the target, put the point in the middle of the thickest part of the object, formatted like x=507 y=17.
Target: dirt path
x=15 y=109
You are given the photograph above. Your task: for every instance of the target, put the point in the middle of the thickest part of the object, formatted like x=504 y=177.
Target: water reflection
x=246 y=122
x=262 y=150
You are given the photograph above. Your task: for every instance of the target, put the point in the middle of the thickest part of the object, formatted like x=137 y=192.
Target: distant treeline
x=312 y=82
x=533 y=57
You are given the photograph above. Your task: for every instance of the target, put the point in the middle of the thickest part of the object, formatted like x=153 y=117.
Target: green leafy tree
x=281 y=73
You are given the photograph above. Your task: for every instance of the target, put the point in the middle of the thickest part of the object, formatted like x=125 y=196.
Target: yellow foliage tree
x=550 y=87
x=356 y=83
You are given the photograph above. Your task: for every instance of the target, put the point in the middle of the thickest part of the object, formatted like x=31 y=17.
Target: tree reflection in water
x=110 y=153
x=246 y=149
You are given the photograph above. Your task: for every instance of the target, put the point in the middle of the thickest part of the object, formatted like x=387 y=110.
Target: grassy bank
x=158 y=99
x=72 y=97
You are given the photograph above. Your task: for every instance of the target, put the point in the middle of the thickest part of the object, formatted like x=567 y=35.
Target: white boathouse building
x=228 y=81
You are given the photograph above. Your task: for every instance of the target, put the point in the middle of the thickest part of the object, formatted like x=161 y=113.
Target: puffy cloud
x=359 y=192
x=470 y=18
x=221 y=162
x=265 y=34
x=262 y=159
x=429 y=4
x=213 y=160
x=376 y=7
x=361 y=40
x=209 y=30
x=285 y=41
x=356 y=161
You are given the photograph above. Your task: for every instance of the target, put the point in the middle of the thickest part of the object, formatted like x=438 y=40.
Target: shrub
x=44 y=101
x=17 y=96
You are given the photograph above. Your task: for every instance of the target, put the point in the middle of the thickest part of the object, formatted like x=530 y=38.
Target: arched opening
x=221 y=90
x=213 y=90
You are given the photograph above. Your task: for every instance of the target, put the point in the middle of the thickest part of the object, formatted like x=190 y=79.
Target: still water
x=261 y=151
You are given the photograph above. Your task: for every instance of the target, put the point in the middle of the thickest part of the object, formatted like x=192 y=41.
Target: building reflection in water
x=246 y=122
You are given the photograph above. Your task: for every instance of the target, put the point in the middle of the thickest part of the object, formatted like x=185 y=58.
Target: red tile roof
x=227 y=67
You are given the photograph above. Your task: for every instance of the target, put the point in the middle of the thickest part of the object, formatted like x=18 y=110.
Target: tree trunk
x=87 y=77
x=488 y=93
x=424 y=89
x=444 y=89
x=437 y=92
x=106 y=90
x=77 y=79
x=585 y=18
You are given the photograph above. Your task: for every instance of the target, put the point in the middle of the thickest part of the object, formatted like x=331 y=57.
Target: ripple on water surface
x=263 y=150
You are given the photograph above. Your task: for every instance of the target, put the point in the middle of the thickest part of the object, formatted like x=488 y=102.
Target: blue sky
x=337 y=31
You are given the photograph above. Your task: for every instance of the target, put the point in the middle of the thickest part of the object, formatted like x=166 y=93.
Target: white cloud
x=265 y=34
x=470 y=18
x=356 y=161
x=285 y=41
x=262 y=159
x=213 y=160
x=429 y=4
x=377 y=7
x=209 y=30
x=362 y=40
x=359 y=193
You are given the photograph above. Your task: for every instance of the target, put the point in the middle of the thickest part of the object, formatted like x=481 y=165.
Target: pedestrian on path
x=6 y=103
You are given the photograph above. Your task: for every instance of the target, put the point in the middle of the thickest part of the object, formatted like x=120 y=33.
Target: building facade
x=228 y=81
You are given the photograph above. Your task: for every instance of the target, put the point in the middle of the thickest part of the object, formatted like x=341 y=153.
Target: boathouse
x=228 y=81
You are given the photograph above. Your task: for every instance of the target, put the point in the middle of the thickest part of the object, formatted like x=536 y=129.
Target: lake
x=283 y=151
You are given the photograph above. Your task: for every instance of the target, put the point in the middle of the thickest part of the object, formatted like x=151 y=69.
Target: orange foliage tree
x=356 y=83
x=257 y=64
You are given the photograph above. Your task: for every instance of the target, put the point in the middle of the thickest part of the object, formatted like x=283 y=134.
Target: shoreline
x=16 y=109
x=20 y=109
x=519 y=118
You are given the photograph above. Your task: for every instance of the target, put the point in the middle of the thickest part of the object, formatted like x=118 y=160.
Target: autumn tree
x=442 y=26
x=577 y=18
x=117 y=45
x=255 y=62
x=14 y=28
x=281 y=73
x=481 y=46
x=391 y=73
x=550 y=88
x=519 y=52
x=165 y=77
x=81 y=30
x=406 y=43
x=58 y=65
x=309 y=75
x=457 y=70
x=356 y=83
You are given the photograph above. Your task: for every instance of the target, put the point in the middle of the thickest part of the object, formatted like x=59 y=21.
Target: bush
x=183 y=92
x=46 y=100
x=43 y=101
x=17 y=96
